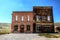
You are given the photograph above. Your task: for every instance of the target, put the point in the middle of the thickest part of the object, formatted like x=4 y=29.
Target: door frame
x=21 y=28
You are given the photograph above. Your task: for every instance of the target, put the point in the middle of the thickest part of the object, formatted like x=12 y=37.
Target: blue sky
x=8 y=6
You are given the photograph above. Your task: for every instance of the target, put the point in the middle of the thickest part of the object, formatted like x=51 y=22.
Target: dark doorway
x=28 y=28
x=22 y=28
x=16 y=28
x=38 y=28
x=34 y=27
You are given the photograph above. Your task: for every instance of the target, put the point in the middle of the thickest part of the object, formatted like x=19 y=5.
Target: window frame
x=22 y=18
x=28 y=18
x=16 y=18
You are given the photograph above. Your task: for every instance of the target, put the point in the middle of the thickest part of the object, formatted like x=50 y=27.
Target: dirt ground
x=24 y=36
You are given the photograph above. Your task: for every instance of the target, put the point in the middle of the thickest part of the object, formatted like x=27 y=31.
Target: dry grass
x=5 y=30
x=50 y=35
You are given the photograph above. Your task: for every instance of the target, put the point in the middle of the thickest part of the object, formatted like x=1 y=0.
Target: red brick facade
x=19 y=22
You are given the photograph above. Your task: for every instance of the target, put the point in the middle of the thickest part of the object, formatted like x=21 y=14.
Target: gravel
x=24 y=36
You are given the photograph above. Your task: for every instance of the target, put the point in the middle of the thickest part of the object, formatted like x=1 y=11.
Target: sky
x=8 y=6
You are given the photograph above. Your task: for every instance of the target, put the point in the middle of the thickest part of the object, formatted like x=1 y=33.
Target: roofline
x=22 y=11
x=43 y=6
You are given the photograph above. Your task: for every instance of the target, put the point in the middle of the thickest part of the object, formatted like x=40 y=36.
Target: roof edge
x=22 y=11
x=43 y=6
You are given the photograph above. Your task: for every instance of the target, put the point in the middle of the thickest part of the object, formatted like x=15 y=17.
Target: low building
x=22 y=21
x=43 y=17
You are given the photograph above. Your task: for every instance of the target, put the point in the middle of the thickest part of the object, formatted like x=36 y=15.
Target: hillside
x=4 y=25
x=9 y=24
x=57 y=24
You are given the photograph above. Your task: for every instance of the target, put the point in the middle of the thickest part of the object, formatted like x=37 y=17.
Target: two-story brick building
x=22 y=21
x=38 y=20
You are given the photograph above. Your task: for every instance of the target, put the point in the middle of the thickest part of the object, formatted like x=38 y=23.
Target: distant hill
x=9 y=24
x=5 y=24
x=57 y=24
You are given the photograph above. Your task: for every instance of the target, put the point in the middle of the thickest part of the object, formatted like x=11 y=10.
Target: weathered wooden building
x=43 y=17
x=36 y=21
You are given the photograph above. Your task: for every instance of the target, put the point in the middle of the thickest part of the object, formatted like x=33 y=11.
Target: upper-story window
x=43 y=18
x=37 y=18
x=16 y=18
x=22 y=18
x=48 y=18
x=28 y=18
